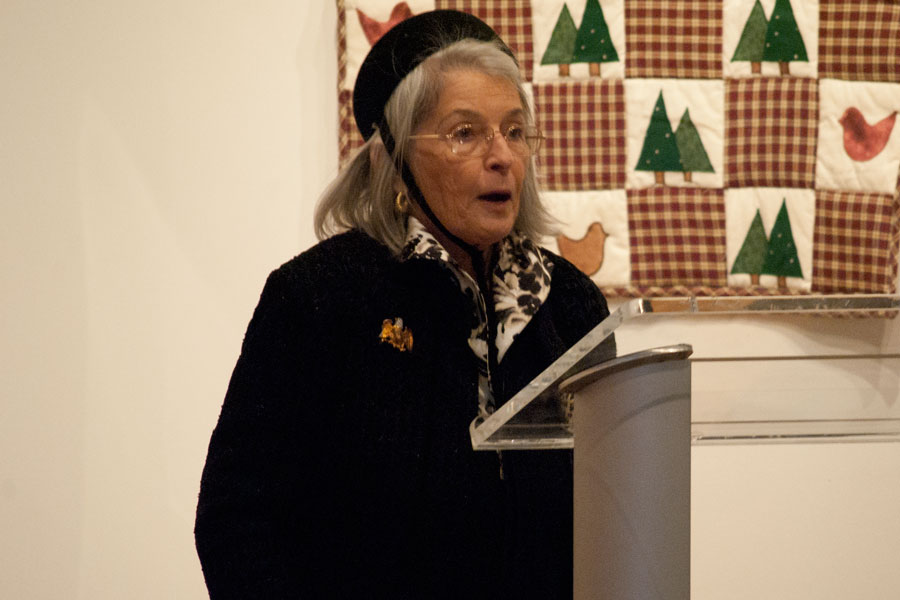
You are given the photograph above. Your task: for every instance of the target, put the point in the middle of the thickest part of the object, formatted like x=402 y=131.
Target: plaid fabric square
x=349 y=138
x=584 y=126
x=859 y=40
x=856 y=241
x=677 y=237
x=511 y=19
x=341 y=42
x=770 y=132
x=673 y=39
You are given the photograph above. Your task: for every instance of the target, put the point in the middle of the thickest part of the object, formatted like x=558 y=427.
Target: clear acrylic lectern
x=631 y=417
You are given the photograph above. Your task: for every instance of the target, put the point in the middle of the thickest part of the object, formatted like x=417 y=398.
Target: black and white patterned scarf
x=520 y=283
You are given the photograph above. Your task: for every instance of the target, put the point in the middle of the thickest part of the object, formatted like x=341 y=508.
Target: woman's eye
x=515 y=133
x=463 y=134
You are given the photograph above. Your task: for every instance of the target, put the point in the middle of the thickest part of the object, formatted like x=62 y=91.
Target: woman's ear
x=378 y=153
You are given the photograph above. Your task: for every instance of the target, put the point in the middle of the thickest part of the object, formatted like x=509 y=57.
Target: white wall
x=157 y=160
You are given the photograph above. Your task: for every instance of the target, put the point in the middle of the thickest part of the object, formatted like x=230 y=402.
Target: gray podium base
x=633 y=477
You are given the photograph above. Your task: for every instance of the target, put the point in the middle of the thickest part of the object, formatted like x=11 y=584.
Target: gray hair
x=362 y=195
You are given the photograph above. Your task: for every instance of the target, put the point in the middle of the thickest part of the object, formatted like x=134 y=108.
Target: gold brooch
x=396 y=335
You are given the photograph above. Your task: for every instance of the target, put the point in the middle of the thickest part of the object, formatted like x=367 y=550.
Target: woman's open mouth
x=496 y=196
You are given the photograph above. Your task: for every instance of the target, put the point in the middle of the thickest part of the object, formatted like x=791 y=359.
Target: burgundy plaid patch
x=349 y=137
x=770 y=132
x=651 y=291
x=677 y=237
x=855 y=244
x=673 y=39
x=584 y=126
x=859 y=40
x=511 y=19
x=342 y=42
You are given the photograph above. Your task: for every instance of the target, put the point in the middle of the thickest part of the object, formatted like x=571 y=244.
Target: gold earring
x=401 y=203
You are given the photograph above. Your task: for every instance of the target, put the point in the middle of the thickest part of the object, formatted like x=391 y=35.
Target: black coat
x=342 y=467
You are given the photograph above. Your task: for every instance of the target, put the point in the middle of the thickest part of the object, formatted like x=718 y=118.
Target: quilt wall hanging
x=700 y=147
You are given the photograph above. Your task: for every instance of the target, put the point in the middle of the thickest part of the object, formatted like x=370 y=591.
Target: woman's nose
x=499 y=154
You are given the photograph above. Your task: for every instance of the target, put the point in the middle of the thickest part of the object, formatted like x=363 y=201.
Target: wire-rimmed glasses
x=472 y=140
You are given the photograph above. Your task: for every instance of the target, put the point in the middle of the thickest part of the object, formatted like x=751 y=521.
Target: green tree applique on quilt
x=561 y=47
x=593 y=44
x=753 y=39
x=781 y=257
x=660 y=152
x=784 y=44
x=752 y=255
x=694 y=158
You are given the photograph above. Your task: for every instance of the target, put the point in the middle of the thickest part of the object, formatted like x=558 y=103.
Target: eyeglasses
x=475 y=140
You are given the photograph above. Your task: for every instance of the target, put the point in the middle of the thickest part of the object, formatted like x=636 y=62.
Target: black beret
x=400 y=50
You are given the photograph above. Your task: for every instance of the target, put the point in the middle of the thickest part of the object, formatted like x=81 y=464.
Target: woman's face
x=475 y=197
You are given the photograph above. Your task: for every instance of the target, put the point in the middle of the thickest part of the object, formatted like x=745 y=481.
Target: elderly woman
x=341 y=465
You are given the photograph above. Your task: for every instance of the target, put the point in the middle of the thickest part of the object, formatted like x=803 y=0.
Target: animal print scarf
x=520 y=283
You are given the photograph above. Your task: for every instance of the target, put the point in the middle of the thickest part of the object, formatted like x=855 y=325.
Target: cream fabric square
x=358 y=45
x=545 y=14
x=736 y=13
x=704 y=101
x=859 y=138
x=741 y=206
x=592 y=233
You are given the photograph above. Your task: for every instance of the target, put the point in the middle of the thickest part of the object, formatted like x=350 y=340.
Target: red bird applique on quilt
x=375 y=29
x=861 y=140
